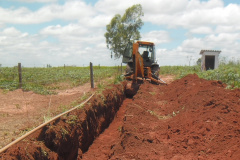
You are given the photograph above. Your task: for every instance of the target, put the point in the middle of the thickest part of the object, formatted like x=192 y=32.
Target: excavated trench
x=70 y=136
x=190 y=118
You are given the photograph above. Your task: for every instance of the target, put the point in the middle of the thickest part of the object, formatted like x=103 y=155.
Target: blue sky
x=71 y=32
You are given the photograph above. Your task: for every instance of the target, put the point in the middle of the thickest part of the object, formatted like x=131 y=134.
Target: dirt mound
x=190 y=118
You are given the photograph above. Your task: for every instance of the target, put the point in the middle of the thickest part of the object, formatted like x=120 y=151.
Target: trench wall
x=70 y=136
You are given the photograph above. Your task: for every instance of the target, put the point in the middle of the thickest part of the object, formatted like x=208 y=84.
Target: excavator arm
x=137 y=63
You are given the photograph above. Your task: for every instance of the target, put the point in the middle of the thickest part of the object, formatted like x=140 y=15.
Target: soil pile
x=191 y=118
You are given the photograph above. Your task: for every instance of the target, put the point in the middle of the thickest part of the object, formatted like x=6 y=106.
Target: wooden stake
x=91 y=75
x=20 y=75
x=121 y=68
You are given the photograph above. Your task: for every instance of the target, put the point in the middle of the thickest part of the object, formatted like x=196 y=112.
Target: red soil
x=70 y=136
x=190 y=118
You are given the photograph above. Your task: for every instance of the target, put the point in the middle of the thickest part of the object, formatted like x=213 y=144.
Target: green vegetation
x=47 y=80
x=153 y=113
x=152 y=93
x=47 y=117
x=180 y=71
x=72 y=119
x=118 y=79
x=123 y=30
x=228 y=73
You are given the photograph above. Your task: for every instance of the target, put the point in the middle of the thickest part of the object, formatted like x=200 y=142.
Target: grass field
x=47 y=80
x=228 y=73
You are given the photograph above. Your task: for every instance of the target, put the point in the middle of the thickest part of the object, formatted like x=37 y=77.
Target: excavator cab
x=148 y=53
x=141 y=61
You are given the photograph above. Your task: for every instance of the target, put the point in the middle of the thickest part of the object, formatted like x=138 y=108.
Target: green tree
x=123 y=30
x=199 y=61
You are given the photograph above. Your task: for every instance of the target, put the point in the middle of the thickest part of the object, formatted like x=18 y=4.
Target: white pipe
x=42 y=125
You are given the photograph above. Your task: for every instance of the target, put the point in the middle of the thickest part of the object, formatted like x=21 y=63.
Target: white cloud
x=201 y=30
x=71 y=10
x=111 y=7
x=75 y=35
x=197 y=4
x=227 y=28
x=33 y=1
x=70 y=30
x=163 y=6
x=194 y=13
x=193 y=44
x=190 y=48
x=99 y=20
x=157 y=37
x=11 y=32
x=81 y=38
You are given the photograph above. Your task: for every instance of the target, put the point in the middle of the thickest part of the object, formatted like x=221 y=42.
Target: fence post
x=121 y=68
x=20 y=75
x=91 y=75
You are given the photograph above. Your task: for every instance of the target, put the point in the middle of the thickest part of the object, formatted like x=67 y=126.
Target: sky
x=71 y=32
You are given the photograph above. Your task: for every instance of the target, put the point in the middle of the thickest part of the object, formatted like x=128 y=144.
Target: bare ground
x=21 y=111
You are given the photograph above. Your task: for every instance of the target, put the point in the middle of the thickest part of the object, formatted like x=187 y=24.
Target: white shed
x=209 y=59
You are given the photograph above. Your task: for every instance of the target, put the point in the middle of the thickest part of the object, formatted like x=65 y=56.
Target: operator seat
x=146 y=60
x=145 y=55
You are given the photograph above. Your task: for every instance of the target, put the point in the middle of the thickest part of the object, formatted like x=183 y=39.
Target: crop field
x=228 y=73
x=47 y=80
x=194 y=116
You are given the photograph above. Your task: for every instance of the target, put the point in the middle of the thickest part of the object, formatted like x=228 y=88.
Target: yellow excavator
x=141 y=64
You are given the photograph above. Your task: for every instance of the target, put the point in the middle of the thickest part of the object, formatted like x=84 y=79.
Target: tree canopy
x=124 y=29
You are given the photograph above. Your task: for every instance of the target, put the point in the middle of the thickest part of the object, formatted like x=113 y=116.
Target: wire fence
x=46 y=80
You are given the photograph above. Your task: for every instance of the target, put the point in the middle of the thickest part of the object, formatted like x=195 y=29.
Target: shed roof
x=202 y=51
